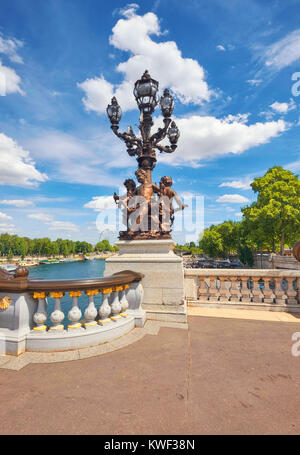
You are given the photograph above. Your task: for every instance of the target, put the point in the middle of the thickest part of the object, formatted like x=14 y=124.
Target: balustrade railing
x=113 y=289
x=249 y=287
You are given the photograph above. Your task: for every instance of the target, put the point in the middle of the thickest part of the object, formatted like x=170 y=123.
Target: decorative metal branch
x=145 y=92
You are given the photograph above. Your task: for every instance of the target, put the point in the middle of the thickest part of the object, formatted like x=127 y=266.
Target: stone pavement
x=224 y=375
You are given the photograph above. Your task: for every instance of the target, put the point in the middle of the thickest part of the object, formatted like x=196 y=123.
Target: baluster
x=279 y=293
x=213 y=289
x=116 y=305
x=235 y=289
x=105 y=308
x=224 y=294
x=257 y=293
x=269 y=296
x=202 y=289
x=123 y=301
x=75 y=313
x=91 y=311
x=41 y=314
x=291 y=292
x=245 y=292
x=57 y=316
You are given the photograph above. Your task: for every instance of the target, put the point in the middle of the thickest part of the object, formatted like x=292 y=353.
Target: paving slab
x=220 y=376
x=258 y=315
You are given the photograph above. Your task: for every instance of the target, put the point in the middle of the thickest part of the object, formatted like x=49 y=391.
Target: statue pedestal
x=163 y=281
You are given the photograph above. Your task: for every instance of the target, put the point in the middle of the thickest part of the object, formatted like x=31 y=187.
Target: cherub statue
x=166 y=195
x=145 y=192
x=124 y=200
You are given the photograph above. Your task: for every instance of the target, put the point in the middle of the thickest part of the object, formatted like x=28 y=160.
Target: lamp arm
x=128 y=138
x=166 y=148
x=161 y=133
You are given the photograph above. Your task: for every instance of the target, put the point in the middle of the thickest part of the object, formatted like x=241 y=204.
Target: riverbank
x=31 y=261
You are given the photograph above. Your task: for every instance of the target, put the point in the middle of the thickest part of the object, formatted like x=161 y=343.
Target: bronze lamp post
x=145 y=92
x=154 y=211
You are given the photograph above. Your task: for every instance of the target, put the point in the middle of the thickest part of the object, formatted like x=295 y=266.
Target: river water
x=67 y=271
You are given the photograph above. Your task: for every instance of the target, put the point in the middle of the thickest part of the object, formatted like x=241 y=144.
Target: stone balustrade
x=30 y=321
x=277 y=290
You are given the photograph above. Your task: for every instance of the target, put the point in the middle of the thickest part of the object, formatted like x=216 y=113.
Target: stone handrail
x=279 y=289
x=24 y=309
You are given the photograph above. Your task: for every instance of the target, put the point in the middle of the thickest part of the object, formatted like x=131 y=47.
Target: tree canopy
x=270 y=223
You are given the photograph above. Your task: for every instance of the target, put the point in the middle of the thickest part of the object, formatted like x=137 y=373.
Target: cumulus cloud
x=184 y=76
x=16 y=202
x=283 y=108
x=220 y=47
x=16 y=166
x=232 y=199
x=100 y=203
x=242 y=184
x=284 y=52
x=207 y=137
x=9 y=81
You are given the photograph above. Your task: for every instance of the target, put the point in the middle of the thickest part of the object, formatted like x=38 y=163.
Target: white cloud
x=99 y=203
x=53 y=225
x=10 y=81
x=240 y=118
x=16 y=202
x=228 y=47
x=206 y=137
x=283 y=108
x=41 y=217
x=3 y=216
x=63 y=226
x=184 y=76
x=283 y=52
x=254 y=82
x=238 y=214
x=7 y=228
x=16 y=166
x=294 y=166
x=79 y=160
x=10 y=47
x=243 y=184
x=232 y=199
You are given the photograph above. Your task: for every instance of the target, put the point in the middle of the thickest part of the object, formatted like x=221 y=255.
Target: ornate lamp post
x=145 y=92
x=144 y=148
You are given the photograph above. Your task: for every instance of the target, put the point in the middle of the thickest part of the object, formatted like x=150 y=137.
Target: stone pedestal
x=163 y=281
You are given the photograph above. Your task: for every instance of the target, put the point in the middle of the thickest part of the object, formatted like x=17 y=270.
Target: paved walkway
x=223 y=375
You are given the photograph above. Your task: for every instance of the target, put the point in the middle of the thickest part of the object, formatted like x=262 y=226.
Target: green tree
x=211 y=242
x=104 y=245
x=274 y=219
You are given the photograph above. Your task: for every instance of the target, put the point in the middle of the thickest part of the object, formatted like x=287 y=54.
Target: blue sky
x=228 y=64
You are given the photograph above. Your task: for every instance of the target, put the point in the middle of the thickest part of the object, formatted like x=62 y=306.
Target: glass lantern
x=145 y=90
x=167 y=103
x=173 y=133
x=114 y=111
